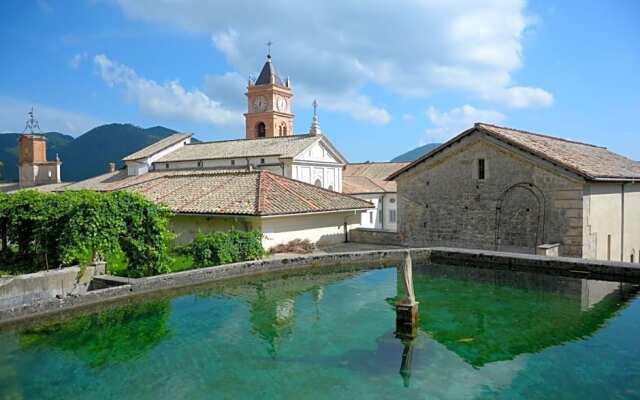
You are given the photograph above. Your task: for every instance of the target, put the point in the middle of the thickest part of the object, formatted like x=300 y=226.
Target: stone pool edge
x=583 y=268
x=138 y=286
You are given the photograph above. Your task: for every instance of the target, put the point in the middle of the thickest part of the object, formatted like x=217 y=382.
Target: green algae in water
x=482 y=334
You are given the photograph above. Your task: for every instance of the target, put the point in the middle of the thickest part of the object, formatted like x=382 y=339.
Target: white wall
x=219 y=163
x=318 y=228
x=330 y=176
x=140 y=167
x=380 y=217
x=187 y=227
x=603 y=214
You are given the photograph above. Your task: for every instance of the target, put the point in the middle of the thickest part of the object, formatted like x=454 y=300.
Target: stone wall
x=523 y=200
x=45 y=285
x=374 y=236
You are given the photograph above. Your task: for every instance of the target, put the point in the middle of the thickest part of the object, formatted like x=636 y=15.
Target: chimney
x=111 y=167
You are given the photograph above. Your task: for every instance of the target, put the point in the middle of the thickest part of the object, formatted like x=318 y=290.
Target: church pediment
x=321 y=151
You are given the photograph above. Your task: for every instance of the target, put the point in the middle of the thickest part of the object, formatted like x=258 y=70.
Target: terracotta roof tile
x=285 y=146
x=369 y=177
x=589 y=161
x=226 y=192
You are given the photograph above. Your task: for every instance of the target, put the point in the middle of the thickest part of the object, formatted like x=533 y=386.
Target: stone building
x=367 y=181
x=505 y=189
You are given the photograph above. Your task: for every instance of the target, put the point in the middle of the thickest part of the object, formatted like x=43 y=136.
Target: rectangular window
x=392 y=216
x=262 y=161
x=166 y=165
x=233 y=162
x=481 y=169
x=371 y=217
x=199 y=164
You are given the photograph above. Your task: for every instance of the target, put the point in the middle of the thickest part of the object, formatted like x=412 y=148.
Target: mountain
x=416 y=153
x=88 y=154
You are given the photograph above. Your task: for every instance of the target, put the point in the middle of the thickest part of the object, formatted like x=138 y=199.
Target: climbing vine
x=44 y=230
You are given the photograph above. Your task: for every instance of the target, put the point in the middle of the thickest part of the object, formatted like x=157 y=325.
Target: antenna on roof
x=32 y=123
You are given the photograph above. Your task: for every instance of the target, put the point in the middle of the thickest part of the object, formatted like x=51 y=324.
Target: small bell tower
x=33 y=167
x=268 y=104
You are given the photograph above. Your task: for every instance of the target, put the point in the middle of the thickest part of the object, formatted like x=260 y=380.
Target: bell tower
x=33 y=167
x=268 y=104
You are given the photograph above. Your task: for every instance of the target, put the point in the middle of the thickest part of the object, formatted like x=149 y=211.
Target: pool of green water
x=482 y=334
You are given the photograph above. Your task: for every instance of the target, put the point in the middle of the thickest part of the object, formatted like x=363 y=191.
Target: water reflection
x=115 y=335
x=272 y=302
x=487 y=315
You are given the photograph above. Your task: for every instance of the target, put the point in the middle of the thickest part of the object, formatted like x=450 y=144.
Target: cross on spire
x=315 y=123
x=269 y=43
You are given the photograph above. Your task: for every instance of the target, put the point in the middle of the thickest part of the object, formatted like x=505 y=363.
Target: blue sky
x=388 y=78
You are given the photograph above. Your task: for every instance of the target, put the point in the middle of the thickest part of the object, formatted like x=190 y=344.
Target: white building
x=367 y=181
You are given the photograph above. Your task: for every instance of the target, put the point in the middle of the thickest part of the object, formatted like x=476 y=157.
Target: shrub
x=297 y=246
x=43 y=230
x=226 y=247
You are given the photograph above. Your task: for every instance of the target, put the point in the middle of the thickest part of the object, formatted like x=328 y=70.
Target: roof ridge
x=481 y=124
x=251 y=139
x=379 y=162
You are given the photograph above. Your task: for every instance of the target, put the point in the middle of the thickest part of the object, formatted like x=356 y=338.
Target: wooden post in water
x=407 y=307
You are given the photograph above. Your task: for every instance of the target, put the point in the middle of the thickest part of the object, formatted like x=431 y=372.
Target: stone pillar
x=407 y=307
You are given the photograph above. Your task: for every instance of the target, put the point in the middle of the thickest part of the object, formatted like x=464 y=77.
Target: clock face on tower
x=259 y=104
x=281 y=104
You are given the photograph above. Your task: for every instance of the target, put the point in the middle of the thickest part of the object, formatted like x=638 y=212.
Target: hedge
x=226 y=247
x=45 y=230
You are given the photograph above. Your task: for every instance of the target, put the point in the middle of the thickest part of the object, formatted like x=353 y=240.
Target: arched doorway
x=520 y=219
x=261 y=130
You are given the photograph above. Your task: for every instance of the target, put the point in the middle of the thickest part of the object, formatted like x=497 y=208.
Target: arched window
x=261 y=129
x=284 y=130
x=318 y=183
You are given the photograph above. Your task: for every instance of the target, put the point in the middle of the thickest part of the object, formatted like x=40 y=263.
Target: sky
x=388 y=76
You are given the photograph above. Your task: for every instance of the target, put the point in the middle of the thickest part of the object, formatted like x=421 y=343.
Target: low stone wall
x=577 y=267
x=374 y=236
x=132 y=287
x=44 y=285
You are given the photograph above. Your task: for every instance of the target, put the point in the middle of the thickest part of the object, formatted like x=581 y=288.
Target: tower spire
x=315 y=123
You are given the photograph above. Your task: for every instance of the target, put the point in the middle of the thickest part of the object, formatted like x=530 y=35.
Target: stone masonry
x=523 y=201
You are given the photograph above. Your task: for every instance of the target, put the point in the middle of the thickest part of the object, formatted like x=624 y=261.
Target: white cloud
x=358 y=106
x=336 y=49
x=228 y=89
x=522 y=97
x=408 y=117
x=13 y=116
x=167 y=100
x=77 y=59
x=447 y=124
